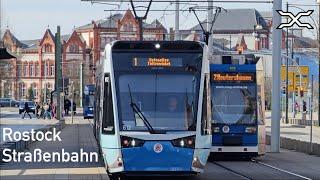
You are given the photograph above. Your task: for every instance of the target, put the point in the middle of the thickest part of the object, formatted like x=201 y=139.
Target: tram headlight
x=186 y=142
x=157 y=46
x=129 y=142
x=251 y=130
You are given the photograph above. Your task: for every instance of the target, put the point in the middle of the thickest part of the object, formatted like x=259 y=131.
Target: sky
x=28 y=19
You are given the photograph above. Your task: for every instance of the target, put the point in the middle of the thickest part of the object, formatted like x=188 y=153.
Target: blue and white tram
x=237 y=92
x=153 y=113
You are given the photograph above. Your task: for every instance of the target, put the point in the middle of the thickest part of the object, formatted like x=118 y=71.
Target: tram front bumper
x=234 y=149
x=158 y=157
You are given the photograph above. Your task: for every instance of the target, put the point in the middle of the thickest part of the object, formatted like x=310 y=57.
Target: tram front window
x=234 y=104
x=167 y=101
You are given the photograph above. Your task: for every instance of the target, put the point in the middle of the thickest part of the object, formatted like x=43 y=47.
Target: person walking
x=37 y=110
x=67 y=106
x=26 y=110
x=304 y=107
x=46 y=114
x=53 y=110
x=74 y=107
x=297 y=108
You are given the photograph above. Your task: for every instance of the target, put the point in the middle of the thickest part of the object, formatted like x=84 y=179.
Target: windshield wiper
x=138 y=111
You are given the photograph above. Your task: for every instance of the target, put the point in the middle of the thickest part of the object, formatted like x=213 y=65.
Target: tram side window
x=108 y=119
x=206 y=109
x=97 y=105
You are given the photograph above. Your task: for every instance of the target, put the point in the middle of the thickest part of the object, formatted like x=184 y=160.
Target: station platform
x=297 y=137
x=77 y=135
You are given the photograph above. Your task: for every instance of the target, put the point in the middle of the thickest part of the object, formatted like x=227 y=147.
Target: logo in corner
x=157 y=148
x=294 y=19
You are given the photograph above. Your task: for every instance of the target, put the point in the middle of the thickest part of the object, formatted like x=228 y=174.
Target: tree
x=6 y=69
x=30 y=95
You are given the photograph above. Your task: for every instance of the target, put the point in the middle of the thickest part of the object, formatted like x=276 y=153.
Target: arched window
x=51 y=70
x=22 y=91
x=25 y=70
x=31 y=70
x=73 y=48
x=36 y=69
x=47 y=48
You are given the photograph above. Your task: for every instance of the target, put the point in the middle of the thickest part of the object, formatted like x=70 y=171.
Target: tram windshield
x=166 y=101
x=166 y=96
x=234 y=104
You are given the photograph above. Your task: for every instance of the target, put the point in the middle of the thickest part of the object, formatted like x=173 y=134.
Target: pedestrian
x=296 y=106
x=74 y=106
x=37 y=110
x=26 y=110
x=66 y=111
x=53 y=110
x=46 y=114
x=68 y=105
x=304 y=106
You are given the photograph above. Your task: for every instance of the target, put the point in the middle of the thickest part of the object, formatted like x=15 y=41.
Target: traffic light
x=296 y=91
x=283 y=90
x=301 y=91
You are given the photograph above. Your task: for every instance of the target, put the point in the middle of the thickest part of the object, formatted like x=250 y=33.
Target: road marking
x=232 y=171
x=282 y=170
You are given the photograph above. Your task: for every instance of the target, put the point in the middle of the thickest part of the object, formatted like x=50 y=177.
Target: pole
x=319 y=64
x=58 y=70
x=300 y=77
x=294 y=96
x=230 y=46
x=45 y=82
x=177 y=21
x=276 y=64
x=311 y=119
x=141 y=28
x=287 y=70
x=209 y=21
x=72 y=96
x=81 y=84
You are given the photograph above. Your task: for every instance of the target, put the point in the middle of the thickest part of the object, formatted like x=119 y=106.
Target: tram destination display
x=232 y=77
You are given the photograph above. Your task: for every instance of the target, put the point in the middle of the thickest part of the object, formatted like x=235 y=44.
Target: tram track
x=234 y=167
x=281 y=170
x=232 y=171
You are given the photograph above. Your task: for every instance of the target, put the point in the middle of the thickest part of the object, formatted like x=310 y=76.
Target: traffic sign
x=294 y=77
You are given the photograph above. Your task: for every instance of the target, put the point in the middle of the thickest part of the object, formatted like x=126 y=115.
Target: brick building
x=118 y=27
x=34 y=68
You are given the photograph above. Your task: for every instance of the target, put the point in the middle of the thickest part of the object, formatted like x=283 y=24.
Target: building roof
x=235 y=20
x=111 y=22
x=8 y=34
x=31 y=44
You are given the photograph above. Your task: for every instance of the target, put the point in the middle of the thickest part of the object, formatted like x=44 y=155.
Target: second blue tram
x=237 y=92
x=153 y=108
x=88 y=101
